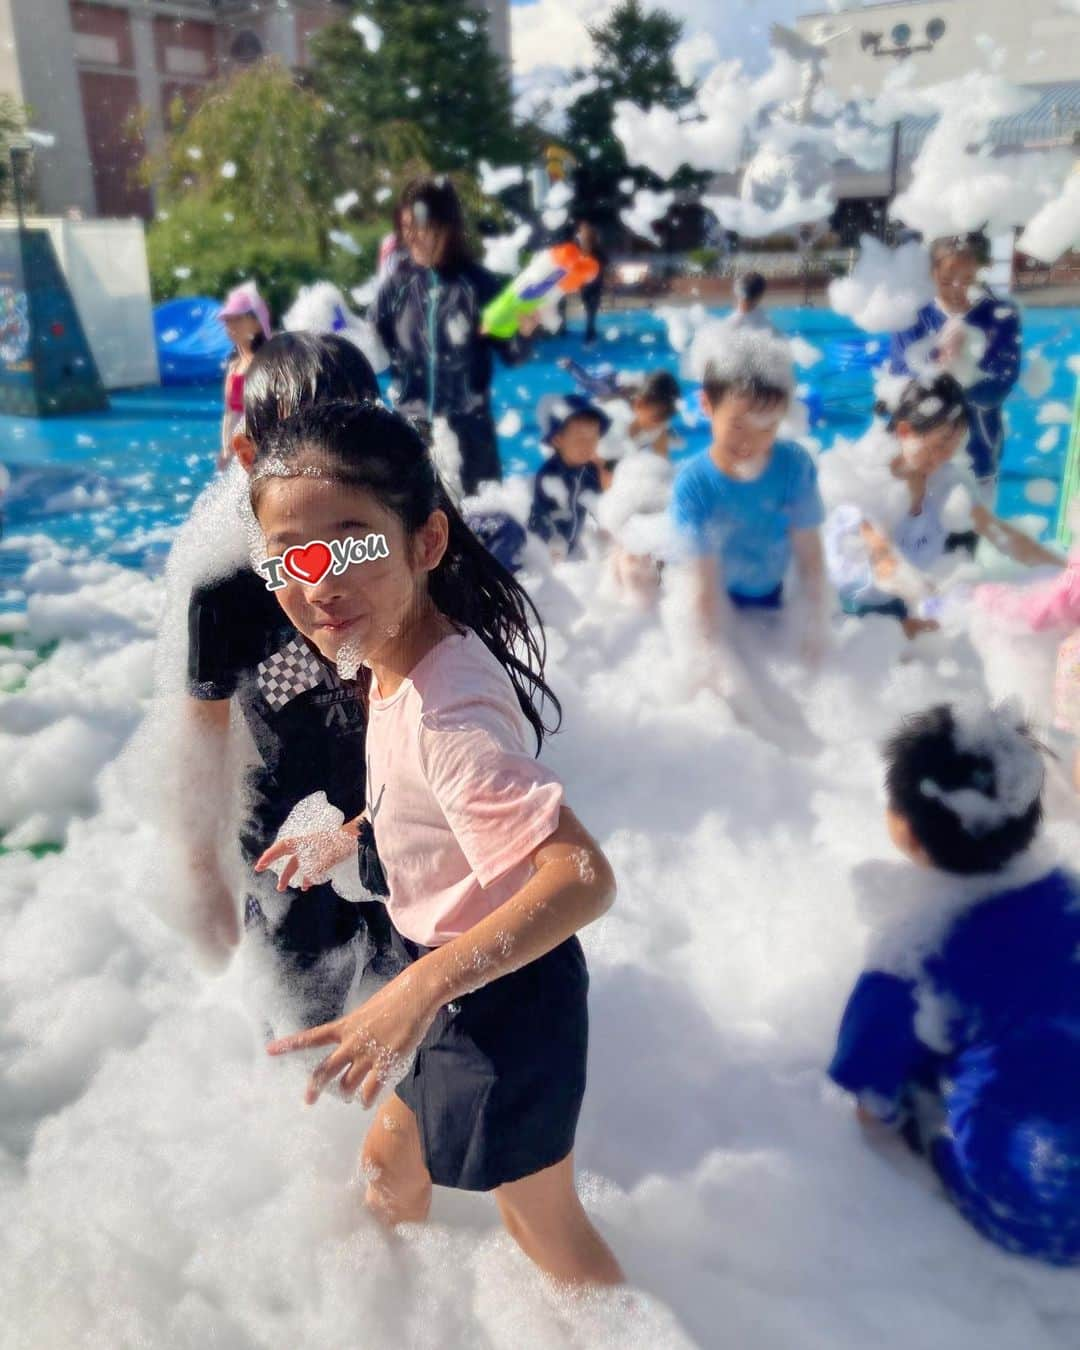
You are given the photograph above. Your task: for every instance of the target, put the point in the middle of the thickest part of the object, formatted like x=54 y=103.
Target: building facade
x=1035 y=45
x=1036 y=42
x=90 y=69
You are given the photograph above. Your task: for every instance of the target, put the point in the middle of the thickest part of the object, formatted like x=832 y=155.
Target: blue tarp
x=191 y=341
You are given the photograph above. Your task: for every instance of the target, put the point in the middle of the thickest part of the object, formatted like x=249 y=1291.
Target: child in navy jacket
x=974 y=335
x=965 y=1037
x=572 y=478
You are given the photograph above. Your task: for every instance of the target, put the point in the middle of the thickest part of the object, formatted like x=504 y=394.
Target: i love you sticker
x=309 y=563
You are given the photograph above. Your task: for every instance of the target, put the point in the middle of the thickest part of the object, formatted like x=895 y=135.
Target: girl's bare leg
x=399 y=1187
x=544 y=1216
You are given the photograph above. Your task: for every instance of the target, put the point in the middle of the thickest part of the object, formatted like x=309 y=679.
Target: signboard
x=46 y=366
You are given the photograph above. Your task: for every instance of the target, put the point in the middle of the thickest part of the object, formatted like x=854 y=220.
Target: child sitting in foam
x=962 y=1035
x=748 y=507
x=903 y=507
x=638 y=487
x=569 y=481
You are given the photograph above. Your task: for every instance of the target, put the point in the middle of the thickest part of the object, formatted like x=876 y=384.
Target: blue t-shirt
x=995 y=1100
x=747 y=525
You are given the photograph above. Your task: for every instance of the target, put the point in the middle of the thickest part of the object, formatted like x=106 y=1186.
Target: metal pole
x=894 y=173
x=17 y=154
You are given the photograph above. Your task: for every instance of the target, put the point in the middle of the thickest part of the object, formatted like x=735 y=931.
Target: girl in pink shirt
x=490 y=875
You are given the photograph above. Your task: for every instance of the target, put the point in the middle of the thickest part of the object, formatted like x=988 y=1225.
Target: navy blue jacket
x=429 y=323
x=560 y=499
x=999 y=370
x=975 y=1058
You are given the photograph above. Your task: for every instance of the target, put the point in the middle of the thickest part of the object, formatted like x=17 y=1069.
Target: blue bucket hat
x=556 y=410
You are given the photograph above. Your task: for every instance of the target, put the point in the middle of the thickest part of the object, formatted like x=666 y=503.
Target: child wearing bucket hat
x=570 y=478
x=247 y=322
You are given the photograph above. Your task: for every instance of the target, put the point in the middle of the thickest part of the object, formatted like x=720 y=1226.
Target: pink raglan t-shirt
x=456 y=799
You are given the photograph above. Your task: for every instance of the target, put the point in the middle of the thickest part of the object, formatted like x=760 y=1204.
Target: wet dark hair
x=367 y=447
x=294 y=370
x=751 y=286
x=973 y=244
x=925 y=749
x=761 y=393
x=926 y=404
x=442 y=206
x=660 y=389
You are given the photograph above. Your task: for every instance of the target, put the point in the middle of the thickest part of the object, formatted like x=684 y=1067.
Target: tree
x=434 y=70
x=245 y=185
x=13 y=118
x=634 y=61
x=255 y=147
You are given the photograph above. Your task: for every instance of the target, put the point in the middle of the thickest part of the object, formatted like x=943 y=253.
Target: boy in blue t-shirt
x=966 y=1039
x=749 y=504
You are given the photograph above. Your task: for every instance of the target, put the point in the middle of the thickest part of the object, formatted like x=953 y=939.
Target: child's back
x=975 y=1056
x=966 y=1039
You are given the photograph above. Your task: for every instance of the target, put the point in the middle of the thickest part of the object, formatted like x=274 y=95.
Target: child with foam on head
x=743 y=509
x=633 y=509
x=651 y=404
x=963 y=1035
x=569 y=481
x=972 y=334
x=245 y=658
x=483 y=1036
x=901 y=503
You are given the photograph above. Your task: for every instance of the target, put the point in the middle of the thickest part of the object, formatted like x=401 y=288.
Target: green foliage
x=435 y=83
x=705 y=259
x=246 y=187
x=256 y=145
x=201 y=249
x=13 y=119
x=634 y=61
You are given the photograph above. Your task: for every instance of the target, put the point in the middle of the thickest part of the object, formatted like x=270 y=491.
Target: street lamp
x=902 y=47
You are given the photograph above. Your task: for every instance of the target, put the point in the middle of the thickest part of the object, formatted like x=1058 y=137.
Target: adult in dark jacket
x=587 y=238
x=428 y=316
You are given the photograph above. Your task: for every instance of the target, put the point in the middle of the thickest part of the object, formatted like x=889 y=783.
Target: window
x=186 y=61
x=96 y=49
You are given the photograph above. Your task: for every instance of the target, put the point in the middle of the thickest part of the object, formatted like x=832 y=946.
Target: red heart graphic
x=309 y=564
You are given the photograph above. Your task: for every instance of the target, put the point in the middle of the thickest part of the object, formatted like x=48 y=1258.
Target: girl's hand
x=375 y=1044
x=528 y=324
x=310 y=857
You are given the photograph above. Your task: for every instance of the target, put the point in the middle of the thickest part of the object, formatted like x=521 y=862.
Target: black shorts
x=497 y=1083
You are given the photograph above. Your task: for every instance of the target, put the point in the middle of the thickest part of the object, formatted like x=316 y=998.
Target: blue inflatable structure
x=192 y=345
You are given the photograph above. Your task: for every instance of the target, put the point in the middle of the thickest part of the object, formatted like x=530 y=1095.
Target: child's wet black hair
x=924 y=751
x=928 y=403
x=660 y=389
x=750 y=286
x=761 y=392
x=366 y=447
x=435 y=202
x=295 y=370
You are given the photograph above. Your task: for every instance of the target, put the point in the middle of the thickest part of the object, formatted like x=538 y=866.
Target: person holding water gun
x=428 y=316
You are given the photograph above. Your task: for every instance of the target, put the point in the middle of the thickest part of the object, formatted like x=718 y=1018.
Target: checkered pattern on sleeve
x=288 y=673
